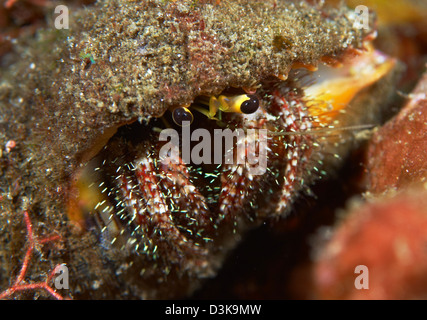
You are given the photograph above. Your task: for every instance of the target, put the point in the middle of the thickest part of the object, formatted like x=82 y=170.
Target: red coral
x=20 y=284
x=388 y=238
x=397 y=155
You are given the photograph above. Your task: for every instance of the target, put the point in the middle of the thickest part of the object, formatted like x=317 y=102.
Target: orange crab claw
x=336 y=88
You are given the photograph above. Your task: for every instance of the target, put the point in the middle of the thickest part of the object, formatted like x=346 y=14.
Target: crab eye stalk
x=244 y=103
x=250 y=105
x=181 y=114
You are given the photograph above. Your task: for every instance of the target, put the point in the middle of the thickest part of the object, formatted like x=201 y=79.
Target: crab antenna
x=322 y=130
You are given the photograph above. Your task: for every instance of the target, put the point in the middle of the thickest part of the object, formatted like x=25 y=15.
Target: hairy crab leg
x=287 y=154
x=240 y=185
x=175 y=178
x=292 y=118
x=146 y=190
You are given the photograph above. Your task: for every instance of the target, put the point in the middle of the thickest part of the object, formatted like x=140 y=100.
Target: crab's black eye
x=251 y=105
x=181 y=114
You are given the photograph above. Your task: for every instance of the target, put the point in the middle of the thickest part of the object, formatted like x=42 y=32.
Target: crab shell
x=127 y=61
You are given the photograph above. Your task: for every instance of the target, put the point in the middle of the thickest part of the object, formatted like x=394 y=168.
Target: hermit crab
x=293 y=81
